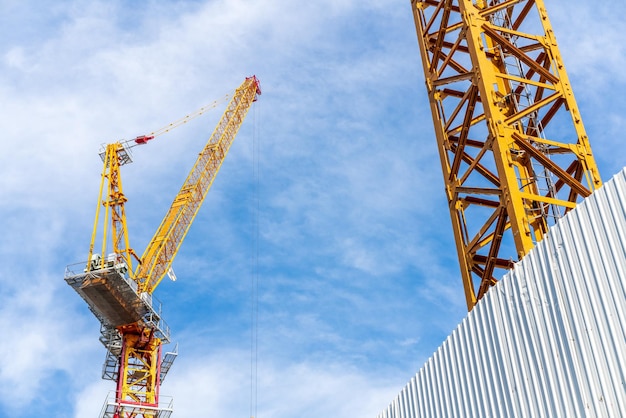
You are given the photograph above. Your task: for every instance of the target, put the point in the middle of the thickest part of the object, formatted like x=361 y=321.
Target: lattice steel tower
x=131 y=323
x=513 y=148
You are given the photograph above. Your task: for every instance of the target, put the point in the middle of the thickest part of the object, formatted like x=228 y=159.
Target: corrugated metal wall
x=550 y=339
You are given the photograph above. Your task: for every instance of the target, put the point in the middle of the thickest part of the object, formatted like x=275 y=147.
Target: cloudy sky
x=327 y=222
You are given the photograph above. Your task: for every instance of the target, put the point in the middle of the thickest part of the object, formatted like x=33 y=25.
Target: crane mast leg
x=112 y=198
x=513 y=148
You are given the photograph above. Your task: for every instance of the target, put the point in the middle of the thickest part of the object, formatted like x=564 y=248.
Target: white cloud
x=590 y=40
x=355 y=242
x=90 y=399
x=220 y=385
x=40 y=338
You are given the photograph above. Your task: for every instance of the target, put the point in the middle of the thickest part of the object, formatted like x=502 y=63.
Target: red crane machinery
x=120 y=296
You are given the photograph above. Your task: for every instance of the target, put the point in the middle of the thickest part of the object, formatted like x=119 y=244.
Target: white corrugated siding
x=549 y=340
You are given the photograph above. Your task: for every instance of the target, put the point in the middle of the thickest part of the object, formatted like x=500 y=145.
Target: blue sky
x=358 y=281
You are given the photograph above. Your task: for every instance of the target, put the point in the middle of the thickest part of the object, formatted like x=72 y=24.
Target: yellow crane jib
x=132 y=329
x=158 y=256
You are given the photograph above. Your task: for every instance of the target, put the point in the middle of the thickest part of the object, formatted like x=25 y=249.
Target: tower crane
x=514 y=152
x=120 y=296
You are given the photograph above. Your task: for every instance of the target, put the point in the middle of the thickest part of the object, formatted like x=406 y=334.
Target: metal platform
x=111 y=365
x=112 y=296
x=113 y=409
x=166 y=363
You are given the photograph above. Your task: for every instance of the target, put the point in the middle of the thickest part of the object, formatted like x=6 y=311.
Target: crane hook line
x=254 y=308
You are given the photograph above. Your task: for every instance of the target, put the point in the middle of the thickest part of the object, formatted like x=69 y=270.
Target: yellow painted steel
x=158 y=256
x=514 y=152
x=139 y=361
x=139 y=369
x=113 y=199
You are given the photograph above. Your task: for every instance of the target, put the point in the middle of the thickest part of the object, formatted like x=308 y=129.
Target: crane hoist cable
x=254 y=281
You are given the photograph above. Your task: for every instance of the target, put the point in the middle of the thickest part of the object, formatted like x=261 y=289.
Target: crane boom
x=160 y=252
x=513 y=148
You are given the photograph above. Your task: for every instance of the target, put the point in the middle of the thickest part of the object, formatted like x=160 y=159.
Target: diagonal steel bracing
x=513 y=148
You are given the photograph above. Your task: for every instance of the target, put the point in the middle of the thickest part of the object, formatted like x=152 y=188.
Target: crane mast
x=513 y=148
x=131 y=324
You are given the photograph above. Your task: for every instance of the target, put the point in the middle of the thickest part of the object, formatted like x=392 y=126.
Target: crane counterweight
x=143 y=139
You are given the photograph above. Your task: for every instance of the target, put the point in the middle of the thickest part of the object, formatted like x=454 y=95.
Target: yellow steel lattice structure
x=513 y=148
x=158 y=256
x=112 y=198
x=131 y=325
x=140 y=359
